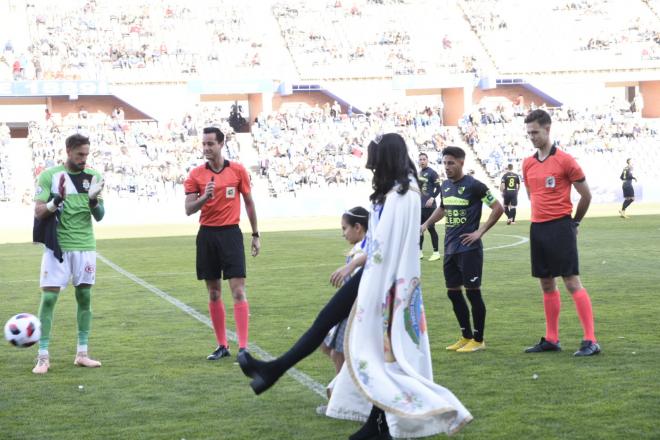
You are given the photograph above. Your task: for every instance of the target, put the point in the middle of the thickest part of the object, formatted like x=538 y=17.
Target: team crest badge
x=461 y=189
x=550 y=182
x=85 y=185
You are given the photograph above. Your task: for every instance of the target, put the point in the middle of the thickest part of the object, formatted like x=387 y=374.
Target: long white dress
x=388 y=359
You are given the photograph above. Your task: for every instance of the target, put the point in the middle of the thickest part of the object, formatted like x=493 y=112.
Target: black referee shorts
x=510 y=198
x=220 y=253
x=553 y=248
x=464 y=269
x=628 y=190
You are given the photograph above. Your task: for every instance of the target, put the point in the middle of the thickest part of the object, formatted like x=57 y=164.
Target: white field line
x=297 y=375
x=263 y=354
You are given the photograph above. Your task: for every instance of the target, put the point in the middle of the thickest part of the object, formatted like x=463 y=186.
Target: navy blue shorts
x=628 y=190
x=510 y=198
x=220 y=253
x=464 y=269
x=553 y=247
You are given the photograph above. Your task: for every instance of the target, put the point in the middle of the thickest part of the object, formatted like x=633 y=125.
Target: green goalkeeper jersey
x=74 y=231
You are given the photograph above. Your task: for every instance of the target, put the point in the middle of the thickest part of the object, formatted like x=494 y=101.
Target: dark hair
x=219 y=136
x=628 y=160
x=538 y=115
x=424 y=154
x=357 y=215
x=389 y=160
x=75 y=141
x=456 y=152
x=510 y=166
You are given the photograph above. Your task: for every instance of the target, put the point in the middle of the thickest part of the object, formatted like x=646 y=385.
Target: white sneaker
x=421 y=254
x=43 y=364
x=82 y=360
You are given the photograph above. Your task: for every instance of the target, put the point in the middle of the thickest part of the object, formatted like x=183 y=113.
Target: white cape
x=388 y=358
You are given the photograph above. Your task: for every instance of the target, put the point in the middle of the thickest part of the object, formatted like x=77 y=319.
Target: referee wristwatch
x=255 y=234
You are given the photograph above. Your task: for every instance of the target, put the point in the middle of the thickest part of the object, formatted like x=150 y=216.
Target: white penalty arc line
x=521 y=240
x=298 y=375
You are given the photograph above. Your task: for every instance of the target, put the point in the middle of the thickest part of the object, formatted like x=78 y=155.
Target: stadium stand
x=572 y=35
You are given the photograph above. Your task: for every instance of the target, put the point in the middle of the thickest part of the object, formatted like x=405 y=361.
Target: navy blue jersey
x=462 y=201
x=511 y=181
x=627 y=175
x=430 y=185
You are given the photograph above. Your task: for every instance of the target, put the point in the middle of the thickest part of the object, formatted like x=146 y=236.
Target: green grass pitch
x=155 y=382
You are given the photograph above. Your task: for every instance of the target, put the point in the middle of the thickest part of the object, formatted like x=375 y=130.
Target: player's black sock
x=513 y=213
x=434 y=237
x=626 y=203
x=507 y=211
x=461 y=311
x=478 y=313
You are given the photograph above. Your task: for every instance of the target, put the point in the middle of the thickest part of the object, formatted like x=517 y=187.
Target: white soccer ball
x=23 y=330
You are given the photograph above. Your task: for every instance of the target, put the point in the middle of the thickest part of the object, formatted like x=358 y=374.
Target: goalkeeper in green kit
x=67 y=197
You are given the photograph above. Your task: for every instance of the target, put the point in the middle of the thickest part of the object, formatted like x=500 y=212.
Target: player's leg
x=232 y=257
x=628 y=198
x=454 y=282
x=208 y=268
x=513 y=210
x=83 y=270
x=241 y=311
x=543 y=267
x=218 y=318
x=471 y=264
x=265 y=374
x=54 y=276
x=582 y=300
x=435 y=243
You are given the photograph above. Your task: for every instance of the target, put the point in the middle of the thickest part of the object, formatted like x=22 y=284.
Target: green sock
x=46 y=309
x=84 y=299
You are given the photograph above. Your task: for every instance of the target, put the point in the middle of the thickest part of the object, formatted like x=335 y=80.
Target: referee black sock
x=478 y=313
x=513 y=214
x=626 y=203
x=461 y=311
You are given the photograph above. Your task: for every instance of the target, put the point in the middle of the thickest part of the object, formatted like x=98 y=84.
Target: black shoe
x=262 y=374
x=375 y=428
x=219 y=353
x=544 y=345
x=587 y=348
x=240 y=350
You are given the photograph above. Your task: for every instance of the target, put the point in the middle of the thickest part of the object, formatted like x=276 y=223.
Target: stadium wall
x=651 y=94
x=105 y=104
x=306 y=98
x=509 y=92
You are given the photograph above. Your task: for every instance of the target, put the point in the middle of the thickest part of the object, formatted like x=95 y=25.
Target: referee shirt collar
x=225 y=164
x=553 y=150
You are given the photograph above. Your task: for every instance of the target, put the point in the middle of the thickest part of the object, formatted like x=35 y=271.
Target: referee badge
x=231 y=192
x=550 y=182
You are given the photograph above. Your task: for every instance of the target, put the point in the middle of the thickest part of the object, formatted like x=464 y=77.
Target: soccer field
x=150 y=331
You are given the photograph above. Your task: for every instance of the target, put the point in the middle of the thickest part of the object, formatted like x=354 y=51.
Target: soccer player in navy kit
x=430 y=188
x=509 y=187
x=462 y=198
x=628 y=190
